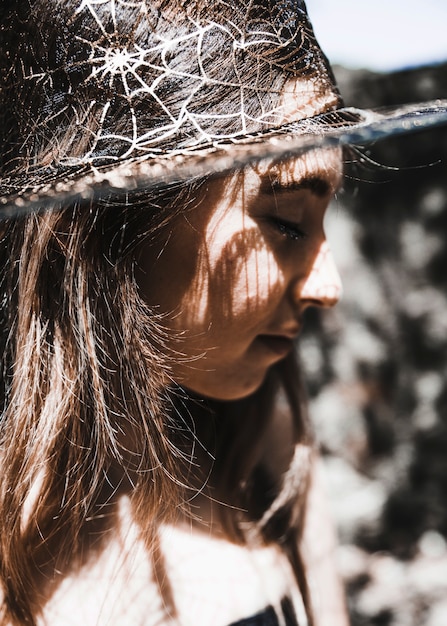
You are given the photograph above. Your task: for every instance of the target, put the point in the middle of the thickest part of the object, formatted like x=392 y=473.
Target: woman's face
x=234 y=274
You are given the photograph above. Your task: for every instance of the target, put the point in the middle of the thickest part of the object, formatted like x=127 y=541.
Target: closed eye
x=288 y=229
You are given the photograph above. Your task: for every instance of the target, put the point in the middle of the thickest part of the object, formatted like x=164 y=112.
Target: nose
x=322 y=286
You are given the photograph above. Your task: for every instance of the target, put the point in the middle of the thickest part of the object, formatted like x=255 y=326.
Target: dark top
x=269 y=617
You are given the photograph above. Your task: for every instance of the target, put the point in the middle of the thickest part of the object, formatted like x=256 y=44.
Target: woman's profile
x=156 y=456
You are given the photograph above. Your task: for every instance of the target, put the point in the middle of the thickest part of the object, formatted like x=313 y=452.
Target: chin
x=229 y=391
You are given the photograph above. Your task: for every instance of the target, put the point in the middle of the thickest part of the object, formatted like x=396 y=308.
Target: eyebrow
x=272 y=186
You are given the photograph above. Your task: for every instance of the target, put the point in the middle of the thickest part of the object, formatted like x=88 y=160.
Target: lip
x=279 y=345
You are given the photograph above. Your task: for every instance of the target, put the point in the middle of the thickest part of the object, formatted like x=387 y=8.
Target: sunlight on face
x=232 y=252
x=233 y=275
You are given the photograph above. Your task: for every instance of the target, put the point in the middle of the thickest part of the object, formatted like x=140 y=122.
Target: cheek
x=256 y=281
x=235 y=277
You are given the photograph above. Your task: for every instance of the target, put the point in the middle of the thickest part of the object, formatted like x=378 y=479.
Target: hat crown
x=93 y=82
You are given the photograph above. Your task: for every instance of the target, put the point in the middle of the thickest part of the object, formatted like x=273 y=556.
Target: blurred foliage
x=376 y=367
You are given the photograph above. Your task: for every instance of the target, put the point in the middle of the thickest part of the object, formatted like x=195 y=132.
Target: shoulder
x=215 y=581
x=114 y=587
x=192 y=578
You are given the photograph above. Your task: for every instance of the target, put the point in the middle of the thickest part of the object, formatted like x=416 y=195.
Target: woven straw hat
x=113 y=94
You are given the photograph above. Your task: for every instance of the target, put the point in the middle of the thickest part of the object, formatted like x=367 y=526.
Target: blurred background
x=381 y=35
x=376 y=366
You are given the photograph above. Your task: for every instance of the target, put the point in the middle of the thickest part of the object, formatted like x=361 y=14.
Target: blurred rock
x=376 y=366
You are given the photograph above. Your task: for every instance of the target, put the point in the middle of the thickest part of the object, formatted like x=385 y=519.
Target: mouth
x=279 y=345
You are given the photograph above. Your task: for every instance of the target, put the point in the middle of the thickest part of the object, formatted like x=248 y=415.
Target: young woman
x=156 y=460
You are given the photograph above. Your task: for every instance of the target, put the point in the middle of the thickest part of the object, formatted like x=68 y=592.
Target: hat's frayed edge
x=85 y=182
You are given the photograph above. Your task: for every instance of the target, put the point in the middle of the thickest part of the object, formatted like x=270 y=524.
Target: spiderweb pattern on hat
x=138 y=74
x=127 y=79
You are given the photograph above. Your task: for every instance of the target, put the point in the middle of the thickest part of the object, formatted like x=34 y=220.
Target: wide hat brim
x=87 y=182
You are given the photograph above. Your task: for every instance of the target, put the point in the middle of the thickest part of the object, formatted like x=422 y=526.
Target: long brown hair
x=83 y=369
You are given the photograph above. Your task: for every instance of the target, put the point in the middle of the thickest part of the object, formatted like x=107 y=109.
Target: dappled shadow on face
x=239 y=262
x=233 y=278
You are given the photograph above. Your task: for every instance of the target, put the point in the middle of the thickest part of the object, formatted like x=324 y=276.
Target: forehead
x=319 y=172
